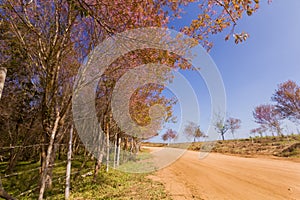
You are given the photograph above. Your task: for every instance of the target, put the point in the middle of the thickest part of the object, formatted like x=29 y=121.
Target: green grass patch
x=141 y=163
x=114 y=184
x=118 y=185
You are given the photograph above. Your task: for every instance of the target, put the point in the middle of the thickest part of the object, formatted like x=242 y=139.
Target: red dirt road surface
x=230 y=177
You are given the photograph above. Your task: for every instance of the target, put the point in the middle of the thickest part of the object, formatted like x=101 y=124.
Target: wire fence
x=39 y=145
x=28 y=171
x=33 y=145
x=32 y=188
x=53 y=180
x=31 y=170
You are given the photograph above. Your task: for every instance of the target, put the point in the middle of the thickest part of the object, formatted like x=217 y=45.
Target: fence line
x=30 y=170
x=27 y=146
x=35 y=145
x=53 y=180
x=35 y=186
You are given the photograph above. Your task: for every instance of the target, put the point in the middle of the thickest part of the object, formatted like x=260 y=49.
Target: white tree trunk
x=119 y=149
x=68 y=172
x=3 y=72
x=100 y=150
x=48 y=157
x=115 y=150
x=107 y=147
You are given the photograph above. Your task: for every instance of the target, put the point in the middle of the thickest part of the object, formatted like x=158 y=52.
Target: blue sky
x=252 y=70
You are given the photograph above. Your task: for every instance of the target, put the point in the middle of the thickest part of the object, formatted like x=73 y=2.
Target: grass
x=119 y=185
x=286 y=146
x=291 y=151
x=142 y=163
x=114 y=184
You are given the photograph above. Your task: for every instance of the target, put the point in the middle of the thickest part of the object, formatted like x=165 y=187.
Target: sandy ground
x=220 y=177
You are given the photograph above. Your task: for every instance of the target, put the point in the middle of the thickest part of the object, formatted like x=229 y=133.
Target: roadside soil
x=219 y=176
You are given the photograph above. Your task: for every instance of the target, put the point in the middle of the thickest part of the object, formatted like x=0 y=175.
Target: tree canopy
x=43 y=44
x=267 y=116
x=230 y=123
x=287 y=99
x=192 y=130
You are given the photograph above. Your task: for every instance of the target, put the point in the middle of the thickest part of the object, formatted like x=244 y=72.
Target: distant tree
x=169 y=135
x=231 y=124
x=221 y=127
x=268 y=116
x=193 y=130
x=287 y=99
x=260 y=130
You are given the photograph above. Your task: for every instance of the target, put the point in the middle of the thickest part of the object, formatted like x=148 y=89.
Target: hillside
x=287 y=146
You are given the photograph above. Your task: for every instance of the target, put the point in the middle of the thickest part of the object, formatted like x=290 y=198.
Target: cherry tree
x=266 y=115
x=169 y=135
x=260 y=130
x=193 y=130
x=231 y=124
x=287 y=99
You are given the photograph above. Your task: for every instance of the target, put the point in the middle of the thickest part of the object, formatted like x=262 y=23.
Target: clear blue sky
x=252 y=70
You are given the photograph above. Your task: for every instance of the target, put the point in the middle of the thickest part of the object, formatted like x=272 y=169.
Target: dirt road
x=229 y=177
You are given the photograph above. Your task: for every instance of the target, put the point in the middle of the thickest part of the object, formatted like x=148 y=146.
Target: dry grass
x=287 y=146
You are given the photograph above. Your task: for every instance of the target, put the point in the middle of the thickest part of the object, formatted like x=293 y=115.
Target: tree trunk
x=223 y=136
x=131 y=146
x=115 y=149
x=3 y=72
x=99 y=159
x=48 y=157
x=68 y=171
x=119 y=150
x=98 y=165
x=50 y=167
x=59 y=152
x=125 y=144
x=107 y=147
x=279 y=133
x=43 y=152
x=14 y=155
